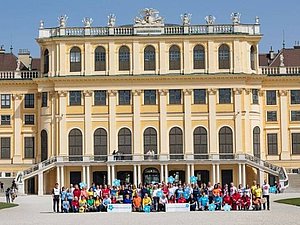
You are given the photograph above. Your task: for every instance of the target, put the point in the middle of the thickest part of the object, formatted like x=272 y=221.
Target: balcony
x=23 y=75
x=280 y=71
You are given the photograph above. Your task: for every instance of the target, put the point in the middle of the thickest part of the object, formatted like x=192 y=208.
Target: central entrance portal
x=151 y=175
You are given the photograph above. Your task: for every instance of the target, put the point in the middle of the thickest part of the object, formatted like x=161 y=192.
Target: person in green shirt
x=90 y=204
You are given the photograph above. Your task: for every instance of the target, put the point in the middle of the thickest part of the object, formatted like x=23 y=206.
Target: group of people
x=154 y=197
x=11 y=192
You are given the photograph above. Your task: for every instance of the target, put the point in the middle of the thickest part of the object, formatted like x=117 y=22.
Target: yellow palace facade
x=147 y=101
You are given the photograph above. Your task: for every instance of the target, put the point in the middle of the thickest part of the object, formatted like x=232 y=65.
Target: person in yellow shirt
x=258 y=191
x=146 y=200
x=253 y=187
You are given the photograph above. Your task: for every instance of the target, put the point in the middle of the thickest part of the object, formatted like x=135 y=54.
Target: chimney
x=297 y=46
x=271 y=54
x=2 y=50
x=24 y=57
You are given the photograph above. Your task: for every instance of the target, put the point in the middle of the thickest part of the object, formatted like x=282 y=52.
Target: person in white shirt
x=55 y=196
x=266 y=194
x=232 y=189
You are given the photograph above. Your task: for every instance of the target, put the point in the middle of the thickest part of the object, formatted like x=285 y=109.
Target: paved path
x=38 y=210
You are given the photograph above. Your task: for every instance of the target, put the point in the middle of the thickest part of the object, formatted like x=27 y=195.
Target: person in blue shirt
x=218 y=201
x=179 y=192
x=63 y=195
x=127 y=199
x=69 y=196
x=65 y=205
x=203 y=202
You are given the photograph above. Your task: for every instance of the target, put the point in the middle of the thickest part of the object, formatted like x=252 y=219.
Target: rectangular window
x=295 y=96
x=5 y=119
x=44 y=99
x=5 y=101
x=199 y=96
x=175 y=96
x=296 y=143
x=255 y=96
x=5 y=148
x=295 y=115
x=29 y=147
x=29 y=100
x=225 y=96
x=29 y=120
x=124 y=97
x=149 y=97
x=272 y=144
x=99 y=97
x=271 y=115
x=74 y=98
x=271 y=98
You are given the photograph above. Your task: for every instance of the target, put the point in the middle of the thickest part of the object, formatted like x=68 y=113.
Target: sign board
x=178 y=207
x=119 y=208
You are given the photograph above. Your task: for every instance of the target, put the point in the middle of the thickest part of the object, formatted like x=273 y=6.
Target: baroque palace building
x=169 y=100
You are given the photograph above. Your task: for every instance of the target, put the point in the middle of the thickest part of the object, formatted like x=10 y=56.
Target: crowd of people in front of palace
x=155 y=196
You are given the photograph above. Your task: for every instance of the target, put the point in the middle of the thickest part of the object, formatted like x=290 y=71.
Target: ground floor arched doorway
x=179 y=175
x=125 y=177
x=100 y=177
x=202 y=175
x=151 y=175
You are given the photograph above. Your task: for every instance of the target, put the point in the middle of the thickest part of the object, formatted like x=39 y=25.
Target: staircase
x=294 y=183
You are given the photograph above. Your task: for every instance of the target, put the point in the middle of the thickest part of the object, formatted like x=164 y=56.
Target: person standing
x=55 y=197
x=266 y=194
x=7 y=194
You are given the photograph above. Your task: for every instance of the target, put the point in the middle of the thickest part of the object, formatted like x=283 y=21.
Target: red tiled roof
x=35 y=64
x=291 y=58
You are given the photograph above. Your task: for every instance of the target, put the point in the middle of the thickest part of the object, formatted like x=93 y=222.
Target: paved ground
x=38 y=210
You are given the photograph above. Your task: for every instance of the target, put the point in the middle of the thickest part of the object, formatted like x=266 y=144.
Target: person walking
x=7 y=194
x=266 y=195
x=55 y=197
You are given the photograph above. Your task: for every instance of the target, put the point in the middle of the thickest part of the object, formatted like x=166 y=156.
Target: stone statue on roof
x=62 y=21
x=210 y=19
x=149 y=17
x=186 y=19
x=111 y=20
x=42 y=24
x=236 y=18
x=87 y=21
x=281 y=58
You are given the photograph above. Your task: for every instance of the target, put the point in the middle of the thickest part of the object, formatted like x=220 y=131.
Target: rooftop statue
x=281 y=58
x=111 y=20
x=62 y=21
x=42 y=24
x=87 y=21
x=149 y=17
x=257 y=20
x=186 y=19
x=236 y=18
x=210 y=19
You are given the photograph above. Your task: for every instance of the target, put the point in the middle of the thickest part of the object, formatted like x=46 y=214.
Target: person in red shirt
x=77 y=192
x=181 y=199
x=227 y=199
x=105 y=191
x=236 y=200
x=114 y=200
x=165 y=190
x=245 y=201
x=75 y=204
x=172 y=199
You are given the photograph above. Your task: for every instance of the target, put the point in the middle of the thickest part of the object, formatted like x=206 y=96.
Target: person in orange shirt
x=137 y=203
x=216 y=191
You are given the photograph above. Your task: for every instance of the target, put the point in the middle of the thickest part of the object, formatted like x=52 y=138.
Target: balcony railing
x=25 y=75
x=249 y=29
x=280 y=70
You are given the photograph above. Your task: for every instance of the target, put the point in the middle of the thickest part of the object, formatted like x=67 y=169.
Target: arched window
x=149 y=58
x=44 y=145
x=176 y=143
x=124 y=58
x=174 y=58
x=224 y=57
x=46 y=61
x=150 y=143
x=252 y=57
x=100 y=144
x=200 y=143
x=75 y=59
x=100 y=59
x=75 y=145
x=124 y=143
x=199 y=57
x=225 y=143
x=256 y=142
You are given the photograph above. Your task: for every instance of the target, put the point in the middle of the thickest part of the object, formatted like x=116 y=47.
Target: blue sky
x=19 y=19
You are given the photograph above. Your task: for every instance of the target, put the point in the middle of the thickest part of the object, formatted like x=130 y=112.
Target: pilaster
x=136 y=122
x=213 y=148
x=164 y=150
x=284 y=118
x=238 y=120
x=62 y=123
x=188 y=137
x=17 y=158
x=88 y=140
x=112 y=120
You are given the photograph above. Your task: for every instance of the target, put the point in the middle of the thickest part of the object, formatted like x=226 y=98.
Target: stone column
x=261 y=176
x=218 y=173
x=113 y=175
x=136 y=124
x=161 y=172
x=62 y=123
x=17 y=158
x=62 y=176
x=214 y=174
x=108 y=175
x=240 y=174
x=83 y=174
x=213 y=148
x=88 y=176
x=58 y=175
x=166 y=173
x=284 y=125
x=139 y=174
x=188 y=172
x=238 y=120
x=244 y=175
x=192 y=169
x=40 y=183
x=88 y=135
x=135 y=175
x=188 y=137
x=164 y=150
x=112 y=121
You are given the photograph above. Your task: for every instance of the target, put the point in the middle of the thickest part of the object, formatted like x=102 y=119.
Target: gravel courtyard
x=38 y=210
